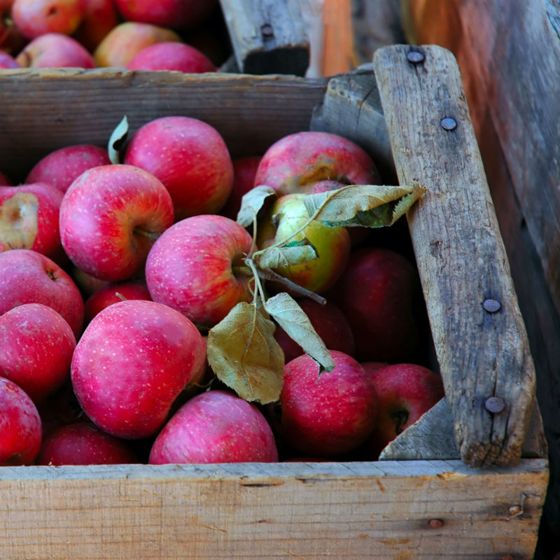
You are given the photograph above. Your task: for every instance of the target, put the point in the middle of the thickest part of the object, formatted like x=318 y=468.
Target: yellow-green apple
x=63 y=166
x=29 y=277
x=126 y=40
x=190 y=158
x=36 y=347
x=404 y=393
x=215 y=427
x=130 y=365
x=329 y=413
x=296 y=162
x=39 y=17
x=329 y=323
x=7 y=61
x=54 y=50
x=82 y=443
x=192 y=268
x=171 y=56
x=20 y=426
x=110 y=217
x=244 y=171
x=29 y=218
x=99 y=19
x=177 y=14
x=379 y=294
x=332 y=244
x=114 y=293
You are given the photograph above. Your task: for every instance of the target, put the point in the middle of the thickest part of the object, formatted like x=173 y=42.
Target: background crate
x=432 y=507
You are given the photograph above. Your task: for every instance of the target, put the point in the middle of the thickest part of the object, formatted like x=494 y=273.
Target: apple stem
x=272 y=276
x=241 y=271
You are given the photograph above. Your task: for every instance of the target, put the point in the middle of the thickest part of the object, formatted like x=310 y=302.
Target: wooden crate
x=429 y=504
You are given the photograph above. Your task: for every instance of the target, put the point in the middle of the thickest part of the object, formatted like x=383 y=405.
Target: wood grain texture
x=460 y=255
x=311 y=511
x=54 y=108
x=268 y=36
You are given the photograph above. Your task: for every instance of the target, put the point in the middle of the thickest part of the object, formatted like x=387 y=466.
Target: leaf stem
x=258 y=284
x=272 y=276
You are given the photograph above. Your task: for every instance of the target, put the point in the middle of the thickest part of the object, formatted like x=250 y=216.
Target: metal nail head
x=448 y=123
x=266 y=30
x=415 y=57
x=491 y=305
x=495 y=405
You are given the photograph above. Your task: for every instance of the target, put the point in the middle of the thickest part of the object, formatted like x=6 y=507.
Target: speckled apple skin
x=330 y=413
x=172 y=56
x=46 y=206
x=190 y=158
x=298 y=161
x=190 y=268
x=38 y=17
x=130 y=365
x=36 y=347
x=102 y=213
x=84 y=444
x=54 y=50
x=215 y=427
x=62 y=167
x=244 y=172
x=29 y=277
x=20 y=426
x=114 y=293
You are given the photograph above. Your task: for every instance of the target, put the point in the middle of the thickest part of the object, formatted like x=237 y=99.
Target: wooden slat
x=268 y=36
x=460 y=255
x=49 y=109
x=246 y=511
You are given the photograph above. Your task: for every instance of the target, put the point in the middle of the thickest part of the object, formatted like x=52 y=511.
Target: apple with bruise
x=29 y=218
x=190 y=158
x=29 y=277
x=114 y=293
x=39 y=17
x=215 y=427
x=54 y=50
x=171 y=56
x=132 y=362
x=110 y=217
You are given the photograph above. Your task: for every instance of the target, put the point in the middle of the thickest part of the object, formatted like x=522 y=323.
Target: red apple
x=171 y=56
x=54 y=50
x=99 y=19
x=332 y=244
x=110 y=217
x=36 y=347
x=39 y=17
x=4 y=181
x=126 y=40
x=215 y=427
x=244 y=171
x=83 y=444
x=379 y=293
x=404 y=393
x=330 y=324
x=190 y=158
x=29 y=218
x=130 y=365
x=20 y=426
x=6 y=61
x=114 y=293
x=29 y=277
x=298 y=161
x=327 y=413
x=191 y=268
x=167 y=13
x=62 y=167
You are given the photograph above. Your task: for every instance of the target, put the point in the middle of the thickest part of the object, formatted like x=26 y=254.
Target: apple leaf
x=244 y=354
x=117 y=140
x=362 y=205
x=292 y=318
x=295 y=253
x=251 y=204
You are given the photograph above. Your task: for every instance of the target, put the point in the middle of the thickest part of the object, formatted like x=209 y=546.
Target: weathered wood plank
x=386 y=510
x=482 y=351
x=63 y=107
x=268 y=36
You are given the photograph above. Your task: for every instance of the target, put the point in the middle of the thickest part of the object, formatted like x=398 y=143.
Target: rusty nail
x=266 y=30
x=448 y=123
x=495 y=405
x=515 y=511
x=491 y=305
x=415 y=57
x=435 y=523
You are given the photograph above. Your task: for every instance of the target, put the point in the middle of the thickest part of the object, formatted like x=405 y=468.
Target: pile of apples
x=139 y=35
x=174 y=356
